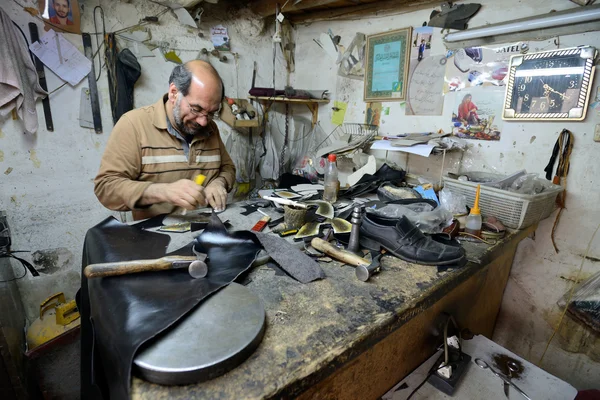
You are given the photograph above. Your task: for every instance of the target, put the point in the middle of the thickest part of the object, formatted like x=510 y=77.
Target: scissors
x=512 y=368
x=484 y=365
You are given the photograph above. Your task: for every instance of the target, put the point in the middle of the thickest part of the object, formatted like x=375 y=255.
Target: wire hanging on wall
x=97 y=40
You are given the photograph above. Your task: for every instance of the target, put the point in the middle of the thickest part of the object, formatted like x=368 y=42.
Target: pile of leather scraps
x=369 y=183
x=398 y=220
x=416 y=138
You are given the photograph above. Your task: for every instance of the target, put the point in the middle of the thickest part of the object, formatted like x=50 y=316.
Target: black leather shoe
x=404 y=240
x=445 y=238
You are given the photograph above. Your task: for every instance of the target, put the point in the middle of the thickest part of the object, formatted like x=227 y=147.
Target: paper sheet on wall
x=220 y=38
x=58 y=54
x=485 y=66
x=425 y=89
x=423 y=150
x=337 y=118
x=477 y=113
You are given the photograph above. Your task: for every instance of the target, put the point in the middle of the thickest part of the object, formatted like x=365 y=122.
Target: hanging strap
x=26 y=264
x=564 y=145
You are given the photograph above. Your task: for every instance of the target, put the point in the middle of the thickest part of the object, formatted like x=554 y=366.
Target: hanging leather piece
x=563 y=147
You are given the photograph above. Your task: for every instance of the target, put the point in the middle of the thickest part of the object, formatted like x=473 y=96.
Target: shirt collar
x=160 y=113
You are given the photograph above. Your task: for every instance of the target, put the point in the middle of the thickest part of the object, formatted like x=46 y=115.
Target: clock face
x=549 y=85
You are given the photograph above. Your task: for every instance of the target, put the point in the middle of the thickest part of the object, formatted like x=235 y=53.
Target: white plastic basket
x=514 y=210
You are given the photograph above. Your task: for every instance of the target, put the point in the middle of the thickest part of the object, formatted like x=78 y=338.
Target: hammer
x=196 y=266
x=364 y=268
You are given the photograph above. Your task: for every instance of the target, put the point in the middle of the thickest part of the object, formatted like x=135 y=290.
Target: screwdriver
x=199 y=180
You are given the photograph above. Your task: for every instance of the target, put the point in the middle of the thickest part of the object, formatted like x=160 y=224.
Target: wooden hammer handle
x=130 y=267
x=340 y=255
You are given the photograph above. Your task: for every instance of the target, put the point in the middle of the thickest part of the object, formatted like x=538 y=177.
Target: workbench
x=340 y=338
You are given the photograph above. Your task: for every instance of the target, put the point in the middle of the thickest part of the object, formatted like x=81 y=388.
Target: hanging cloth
x=19 y=83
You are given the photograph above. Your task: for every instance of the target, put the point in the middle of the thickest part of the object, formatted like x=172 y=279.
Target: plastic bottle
x=473 y=225
x=332 y=184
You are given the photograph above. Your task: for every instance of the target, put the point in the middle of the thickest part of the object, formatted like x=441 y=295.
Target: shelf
x=312 y=104
x=286 y=100
x=228 y=117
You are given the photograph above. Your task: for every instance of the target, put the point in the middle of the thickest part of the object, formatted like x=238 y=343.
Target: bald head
x=201 y=74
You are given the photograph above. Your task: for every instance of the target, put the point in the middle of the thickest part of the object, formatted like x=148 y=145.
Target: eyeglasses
x=197 y=111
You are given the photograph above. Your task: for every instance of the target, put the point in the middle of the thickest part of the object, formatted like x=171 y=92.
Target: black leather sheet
x=128 y=310
x=369 y=183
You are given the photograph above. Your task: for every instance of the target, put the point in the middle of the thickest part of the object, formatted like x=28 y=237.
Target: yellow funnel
x=475 y=210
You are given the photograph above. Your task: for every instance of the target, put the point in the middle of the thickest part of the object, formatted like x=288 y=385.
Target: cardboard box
x=228 y=117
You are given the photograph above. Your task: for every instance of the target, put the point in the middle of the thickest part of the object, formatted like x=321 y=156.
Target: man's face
x=61 y=8
x=185 y=122
x=190 y=112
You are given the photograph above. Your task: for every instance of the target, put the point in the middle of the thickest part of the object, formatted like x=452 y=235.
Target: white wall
x=529 y=309
x=49 y=194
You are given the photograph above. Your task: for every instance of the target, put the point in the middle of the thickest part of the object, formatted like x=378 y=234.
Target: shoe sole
x=372 y=245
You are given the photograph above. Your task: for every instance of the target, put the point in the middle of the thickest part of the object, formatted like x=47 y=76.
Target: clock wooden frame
x=576 y=113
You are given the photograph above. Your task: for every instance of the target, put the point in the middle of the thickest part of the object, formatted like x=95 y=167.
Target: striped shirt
x=141 y=151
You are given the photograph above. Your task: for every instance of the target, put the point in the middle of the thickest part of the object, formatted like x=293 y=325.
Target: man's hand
x=186 y=194
x=182 y=193
x=216 y=195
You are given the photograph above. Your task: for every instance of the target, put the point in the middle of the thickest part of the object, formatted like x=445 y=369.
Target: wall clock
x=551 y=85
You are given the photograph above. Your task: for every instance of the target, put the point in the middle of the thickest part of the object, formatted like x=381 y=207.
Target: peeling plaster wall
x=529 y=311
x=48 y=195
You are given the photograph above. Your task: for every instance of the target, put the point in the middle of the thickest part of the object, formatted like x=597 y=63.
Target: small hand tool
x=356 y=220
x=365 y=268
x=512 y=367
x=260 y=225
x=195 y=264
x=199 y=180
x=285 y=202
x=364 y=272
x=484 y=365
x=199 y=269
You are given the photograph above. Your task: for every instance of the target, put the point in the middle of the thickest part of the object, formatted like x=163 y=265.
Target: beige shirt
x=140 y=152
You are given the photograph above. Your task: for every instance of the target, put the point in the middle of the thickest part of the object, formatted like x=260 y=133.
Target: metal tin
x=214 y=338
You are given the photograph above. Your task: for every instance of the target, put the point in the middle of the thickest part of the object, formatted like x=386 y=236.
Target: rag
x=19 y=84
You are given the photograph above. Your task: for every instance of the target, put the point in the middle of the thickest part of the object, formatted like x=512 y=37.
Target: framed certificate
x=386 y=69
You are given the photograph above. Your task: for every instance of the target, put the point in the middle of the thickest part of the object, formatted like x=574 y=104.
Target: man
x=155 y=152
x=61 y=9
x=421 y=49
